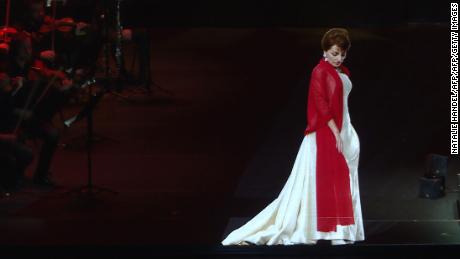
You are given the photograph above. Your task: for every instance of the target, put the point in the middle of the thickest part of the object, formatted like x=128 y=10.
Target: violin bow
x=26 y=106
x=53 y=35
x=29 y=100
x=7 y=15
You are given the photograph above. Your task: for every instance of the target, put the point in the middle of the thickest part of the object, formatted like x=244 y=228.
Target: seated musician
x=15 y=156
x=35 y=116
x=69 y=41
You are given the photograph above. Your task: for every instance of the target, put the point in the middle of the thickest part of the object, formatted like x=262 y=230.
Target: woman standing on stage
x=320 y=199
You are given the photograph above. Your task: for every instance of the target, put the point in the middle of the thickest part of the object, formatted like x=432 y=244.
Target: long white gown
x=291 y=218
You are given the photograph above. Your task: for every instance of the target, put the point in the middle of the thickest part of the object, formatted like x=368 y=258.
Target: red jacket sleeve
x=319 y=95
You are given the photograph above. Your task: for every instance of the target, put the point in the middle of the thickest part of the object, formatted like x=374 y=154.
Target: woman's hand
x=338 y=142
x=335 y=131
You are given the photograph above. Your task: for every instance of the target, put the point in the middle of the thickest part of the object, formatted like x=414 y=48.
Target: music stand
x=90 y=189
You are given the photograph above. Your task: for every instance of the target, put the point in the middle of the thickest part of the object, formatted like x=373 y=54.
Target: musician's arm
x=7 y=137
x=21 y=113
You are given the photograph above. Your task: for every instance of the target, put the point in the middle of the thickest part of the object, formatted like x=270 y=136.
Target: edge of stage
x=210 y=251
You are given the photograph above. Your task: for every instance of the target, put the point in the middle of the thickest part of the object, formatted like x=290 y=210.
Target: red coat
x=325 y=96
x=325 y=101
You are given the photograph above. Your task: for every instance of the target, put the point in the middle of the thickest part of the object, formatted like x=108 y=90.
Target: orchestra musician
x=35 y=102
x=42 y=59
x=14 y=155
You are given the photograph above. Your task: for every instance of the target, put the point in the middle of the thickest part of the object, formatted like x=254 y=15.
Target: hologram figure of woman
x=320 y=200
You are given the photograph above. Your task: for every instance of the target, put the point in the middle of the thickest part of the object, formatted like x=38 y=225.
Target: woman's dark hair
x=336 y=36
x=28 y=3
x=20 y=10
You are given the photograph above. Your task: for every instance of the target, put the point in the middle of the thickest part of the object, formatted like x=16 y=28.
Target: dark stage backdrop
x=268 y=12
x=399 y=63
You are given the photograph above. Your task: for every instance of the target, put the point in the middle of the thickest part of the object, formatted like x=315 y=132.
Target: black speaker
x=432 y=185
x=435 y=166
x=432 y=188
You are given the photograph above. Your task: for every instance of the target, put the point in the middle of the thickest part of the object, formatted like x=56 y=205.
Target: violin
x=55 y=78
x=63 y=25
x=7 y=34
x=36 y=95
